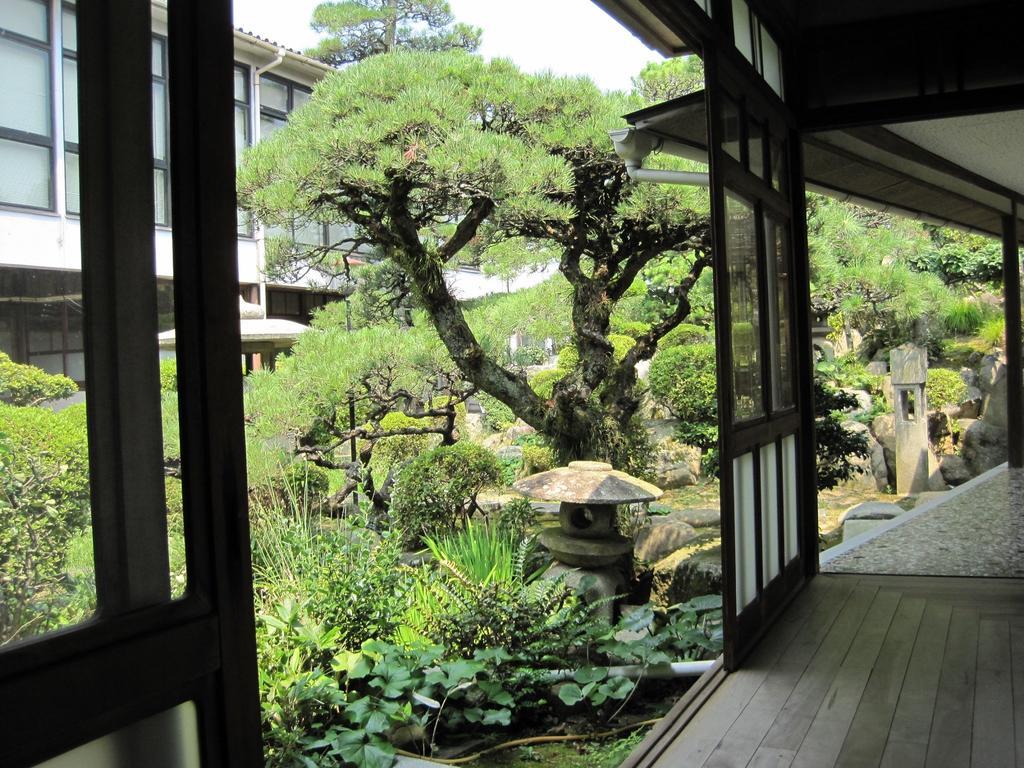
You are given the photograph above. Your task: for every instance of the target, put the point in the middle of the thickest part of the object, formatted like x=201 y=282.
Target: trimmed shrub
x=944 y=387
x=538 y=458
x=436 y=492
x=993 y=332
x=632 y=328
x=683 y=379
x=516 y=516
x=28 y=385
x=683 y=334
x=543 y=382
x=391 y=452
x=569 y=356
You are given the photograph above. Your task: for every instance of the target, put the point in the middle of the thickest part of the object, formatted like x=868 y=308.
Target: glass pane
x=244 y=220
x=159 y=121
x=25 y=95
x=273 y=95
x=242 y=84
x=46 y=573
x=71 y=183
x=299 y=98
x=158 y=58
x=270 y=125
x=741 y=29
x=309 y=233
x=741 y=257
x=24 y=174
x=780 y=308
x=241 y=131
x=778 y=160
x=756 y=148
x=71 y=100
x=731 y=134
x=26 y=17
x=69 y=29
x=160 y=197
x=772 y=63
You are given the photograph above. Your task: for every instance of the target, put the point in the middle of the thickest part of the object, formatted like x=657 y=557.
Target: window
x=243 y=134
x=744 y=310
x=757 y=45
x=70 y=90
x=161 y=154
x=278 y=99
x=297 y=305
x=26 y=119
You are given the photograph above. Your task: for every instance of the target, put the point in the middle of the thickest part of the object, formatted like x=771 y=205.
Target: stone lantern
x=909 y=365
x=588 y=492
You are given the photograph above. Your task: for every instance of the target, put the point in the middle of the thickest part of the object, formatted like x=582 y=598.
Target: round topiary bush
x=944 y=387
x=529 y=356
x=497 y=415
x=569 y=356
x=683 y=380
x=391 y=452
x=436 y=492
x=543 y=382
x=683 y=334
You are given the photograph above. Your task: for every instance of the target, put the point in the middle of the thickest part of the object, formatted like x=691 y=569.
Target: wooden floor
x=899 y=671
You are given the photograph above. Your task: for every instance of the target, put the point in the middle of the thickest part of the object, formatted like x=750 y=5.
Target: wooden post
x=1014 y=375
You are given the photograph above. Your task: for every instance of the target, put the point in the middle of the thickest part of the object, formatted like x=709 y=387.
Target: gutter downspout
x=653 y=671
x=261 y=252
x=633 y=146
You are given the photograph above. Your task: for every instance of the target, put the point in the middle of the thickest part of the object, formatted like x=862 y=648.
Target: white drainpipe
x=633 y=147
x=261 y=252
x=654 y=671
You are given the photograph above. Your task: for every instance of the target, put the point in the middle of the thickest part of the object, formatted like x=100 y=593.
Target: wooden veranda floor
x=900 y=671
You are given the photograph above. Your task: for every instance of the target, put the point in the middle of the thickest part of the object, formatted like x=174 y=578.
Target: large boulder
x=884 y=430
x=689 y=572
x=982 y=445
x=954 y=470
x=863 y=399
x=675 y=465
x=661 y=538
x=992 y=382
x=873 y=473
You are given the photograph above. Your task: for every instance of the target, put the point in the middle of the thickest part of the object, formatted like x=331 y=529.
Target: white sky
x=572 y=37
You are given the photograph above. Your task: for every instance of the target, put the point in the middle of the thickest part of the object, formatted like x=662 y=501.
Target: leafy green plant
x=993 y=332
x=836 y=444
x=28 y=385
x=436 y=492
x=944 y=387
x=497 y=415
x=517 y=516
x=848 y=371
x=389 y=453
x=538 y=458
x=963 y=316
x=684 y=334
x=543 y=382
x=168 y=375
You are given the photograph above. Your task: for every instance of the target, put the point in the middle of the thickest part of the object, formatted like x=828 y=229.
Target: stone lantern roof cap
x=587 y=482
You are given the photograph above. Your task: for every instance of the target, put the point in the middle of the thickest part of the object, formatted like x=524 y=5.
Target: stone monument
x=909 y=365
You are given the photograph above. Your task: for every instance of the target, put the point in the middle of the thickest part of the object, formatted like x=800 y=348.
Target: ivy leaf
x=496 y=693
x=590 y=675
x=618 y=688
x=372 y=753
x=497 y=717
x=638 y=620
x=571 y=694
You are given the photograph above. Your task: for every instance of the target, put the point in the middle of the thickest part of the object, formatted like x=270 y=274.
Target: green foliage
x=848 y=371
x=436 y=492
x=634 y=329
x=28 y=385
x=958 y=257
x=684 y=334
x=669 y=79
x=516 y=516
x=963 y=316
x=569 y=356
x=538 y=458
x=944 y=387
x=168 y=375
x=682 y=378
x=993 y=332
x=836 y=443
x=530 y=356
x=357 y=29
x=543 y=382
x=346 y=575
x=497 y=415
x=391 y=452
x=44 y=506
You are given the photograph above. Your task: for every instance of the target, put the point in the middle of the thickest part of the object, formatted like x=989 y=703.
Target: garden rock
x=698 y=517
x=878 y=367
x=928 y=497
x=884 y=430
x=659 y=430
x=954 y=470
x=863 y=399
x=992 y=381
x=871 y=473
x=866 y=515
x=661 y=538
x=694 y=570
x=602 y=585
x=676 y=465
x=970 y=408
x=510 y=453
x=983 y=446
x=936 y=482
x=513 y=433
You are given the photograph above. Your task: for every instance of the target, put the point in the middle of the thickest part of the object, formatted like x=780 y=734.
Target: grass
x=608 y=753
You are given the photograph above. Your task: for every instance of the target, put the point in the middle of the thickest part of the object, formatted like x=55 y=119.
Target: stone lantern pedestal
x=587 y=538
x=909 y=364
